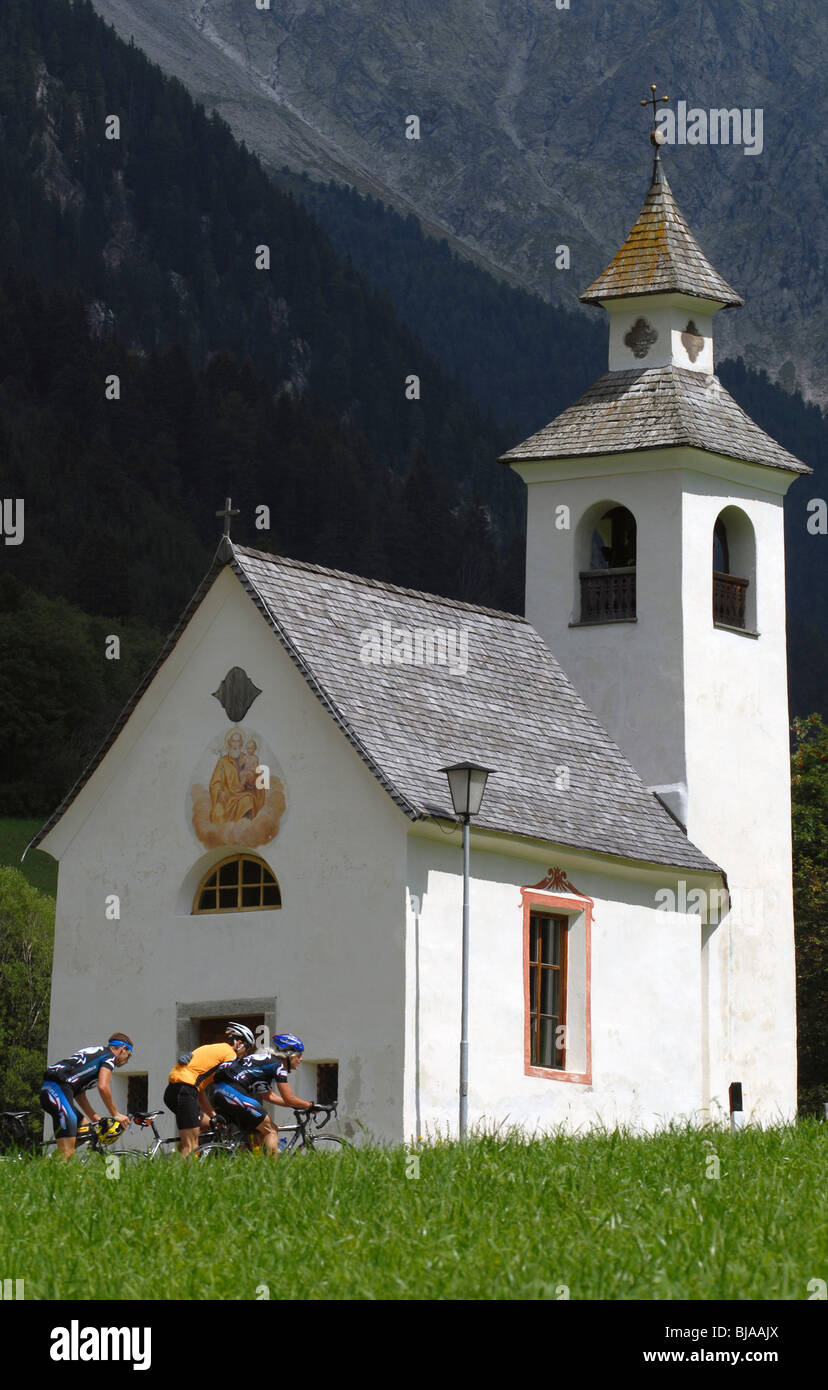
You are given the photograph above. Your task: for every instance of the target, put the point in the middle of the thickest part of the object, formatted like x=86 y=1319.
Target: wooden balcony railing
x=729 y=599
x=608 y=596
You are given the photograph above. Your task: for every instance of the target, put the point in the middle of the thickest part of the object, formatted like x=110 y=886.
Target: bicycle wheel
x=207 y=1151
x=87 y=1155
x=326 y=1143
x=133 y=1158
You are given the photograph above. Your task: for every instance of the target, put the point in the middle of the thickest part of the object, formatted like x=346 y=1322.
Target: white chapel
x=266 y=833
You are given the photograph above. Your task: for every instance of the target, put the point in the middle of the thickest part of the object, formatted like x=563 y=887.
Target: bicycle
x=305 y=1138
x=146 y=1119
x=91 y=1146
x=17 y=1139
x=225 y=1139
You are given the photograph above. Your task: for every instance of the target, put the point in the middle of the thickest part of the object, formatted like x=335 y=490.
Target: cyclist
x=243 y=1085
x=186 y=1093
x=68 y=1080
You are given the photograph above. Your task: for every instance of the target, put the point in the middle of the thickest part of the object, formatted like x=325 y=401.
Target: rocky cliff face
x=531 y=132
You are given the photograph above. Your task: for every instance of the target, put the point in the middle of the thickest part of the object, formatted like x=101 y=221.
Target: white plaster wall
x=669 y=317
x=630 y=674
x=645 y=991
x=739 y=802
x=333 y=955
x=690 y=703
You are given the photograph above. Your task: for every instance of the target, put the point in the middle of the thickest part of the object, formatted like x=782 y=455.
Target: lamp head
x=467 y=783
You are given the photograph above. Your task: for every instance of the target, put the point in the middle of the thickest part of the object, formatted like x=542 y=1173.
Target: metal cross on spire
x=656 y=137
x=227 y=512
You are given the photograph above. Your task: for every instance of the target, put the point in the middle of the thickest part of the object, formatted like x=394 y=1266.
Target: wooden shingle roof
x=512 y=707
x=660 y=255
x=655 y=408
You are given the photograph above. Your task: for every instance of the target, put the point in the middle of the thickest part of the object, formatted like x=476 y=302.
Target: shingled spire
x=661 y=294
x=661 y=256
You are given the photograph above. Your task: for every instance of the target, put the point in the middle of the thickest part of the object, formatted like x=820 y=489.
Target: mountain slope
x=529 y=361
x=161 y=229
x=531 y=132
x=151 y=236
x=134 y=259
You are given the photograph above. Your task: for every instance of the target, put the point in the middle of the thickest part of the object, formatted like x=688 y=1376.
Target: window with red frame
x=547 y=990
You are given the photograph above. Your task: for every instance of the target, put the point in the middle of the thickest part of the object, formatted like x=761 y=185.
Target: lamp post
x=467 y=783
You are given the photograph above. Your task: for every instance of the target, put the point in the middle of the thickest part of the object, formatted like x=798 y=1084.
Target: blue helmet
x=288 y=1042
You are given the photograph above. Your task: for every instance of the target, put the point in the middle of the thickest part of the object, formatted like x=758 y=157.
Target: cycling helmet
x=288 y=1042
x=238 y=1030
x=109 y=1130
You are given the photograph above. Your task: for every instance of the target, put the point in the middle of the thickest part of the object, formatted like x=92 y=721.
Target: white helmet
x=238 y=1030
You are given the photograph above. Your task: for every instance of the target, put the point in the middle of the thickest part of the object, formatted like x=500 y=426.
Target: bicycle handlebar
x=304 y=1116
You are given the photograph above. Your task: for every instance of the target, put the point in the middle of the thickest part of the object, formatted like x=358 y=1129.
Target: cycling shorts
x=56 y=1100
x=237 y=1107
x=182 y=1100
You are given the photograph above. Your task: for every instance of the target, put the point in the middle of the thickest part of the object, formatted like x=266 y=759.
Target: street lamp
x=467 y=783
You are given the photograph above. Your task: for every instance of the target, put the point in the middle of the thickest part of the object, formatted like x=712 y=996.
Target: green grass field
x=38 y=867
x=595 y=1217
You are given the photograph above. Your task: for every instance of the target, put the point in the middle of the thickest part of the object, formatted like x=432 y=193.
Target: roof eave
x=482 y=828
x=800 y=471
x=600 y=297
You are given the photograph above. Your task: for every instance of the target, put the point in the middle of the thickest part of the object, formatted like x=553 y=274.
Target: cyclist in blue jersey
x=243 y=1085
x=68 y=1080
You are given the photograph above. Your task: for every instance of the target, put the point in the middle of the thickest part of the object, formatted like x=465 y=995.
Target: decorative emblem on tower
x=692 y=341
x=640 y=338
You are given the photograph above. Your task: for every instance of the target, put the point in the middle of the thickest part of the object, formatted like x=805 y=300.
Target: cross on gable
x=228 y=512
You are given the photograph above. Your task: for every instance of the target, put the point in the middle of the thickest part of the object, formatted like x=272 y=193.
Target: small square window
x=327 y=1083
x=138 y=1093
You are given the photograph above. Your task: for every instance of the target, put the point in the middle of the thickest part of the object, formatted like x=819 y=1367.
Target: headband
x=119 y=1042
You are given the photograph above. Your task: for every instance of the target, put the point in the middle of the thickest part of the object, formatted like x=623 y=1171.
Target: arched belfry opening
x=721 y=549
x=734 y=570
x=606 y=558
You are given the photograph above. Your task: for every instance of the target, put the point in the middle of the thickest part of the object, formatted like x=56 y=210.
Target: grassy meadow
x=601 y=1216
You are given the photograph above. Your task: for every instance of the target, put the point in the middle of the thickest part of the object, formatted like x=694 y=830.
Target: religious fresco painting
x=230 y=802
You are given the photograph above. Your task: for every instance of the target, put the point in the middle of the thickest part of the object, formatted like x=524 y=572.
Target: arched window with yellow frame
x=240 y=883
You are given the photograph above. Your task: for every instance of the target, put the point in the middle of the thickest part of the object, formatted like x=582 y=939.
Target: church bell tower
x=655 y=572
